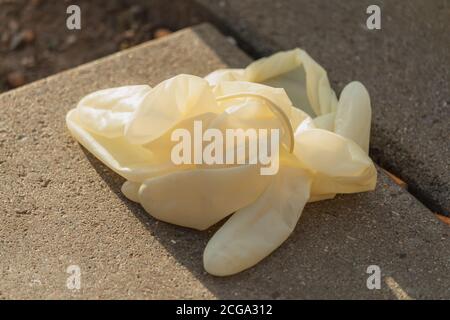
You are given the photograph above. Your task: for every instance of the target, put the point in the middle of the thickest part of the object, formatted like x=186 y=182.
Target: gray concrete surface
x=405 y=66
x=60 y=207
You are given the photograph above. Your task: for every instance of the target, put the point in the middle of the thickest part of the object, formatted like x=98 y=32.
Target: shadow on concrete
x=326 y=256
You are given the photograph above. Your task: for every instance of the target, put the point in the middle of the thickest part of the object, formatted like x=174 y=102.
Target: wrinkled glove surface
x=323 y=150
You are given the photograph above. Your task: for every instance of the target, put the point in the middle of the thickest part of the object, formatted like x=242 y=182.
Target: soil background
x=35 y=42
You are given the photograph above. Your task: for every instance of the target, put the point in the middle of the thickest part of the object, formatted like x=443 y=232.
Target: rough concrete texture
x=60 y=206
x=405 y=66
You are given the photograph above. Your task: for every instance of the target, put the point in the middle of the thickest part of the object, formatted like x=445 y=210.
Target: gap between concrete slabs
x=61 y=207
x=404 y=66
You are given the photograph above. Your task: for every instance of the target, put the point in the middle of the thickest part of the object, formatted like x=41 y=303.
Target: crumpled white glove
x=323 y=150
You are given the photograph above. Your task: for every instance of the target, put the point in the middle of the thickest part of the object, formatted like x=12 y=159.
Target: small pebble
x=13 y=25
x=232 y=40
x=28 y=61
x=28 y=35
x=71 y=39
x=161 y=32
x=15 y=79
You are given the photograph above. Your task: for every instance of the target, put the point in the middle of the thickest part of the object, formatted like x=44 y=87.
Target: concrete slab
x=405 y=66
x=61 y=207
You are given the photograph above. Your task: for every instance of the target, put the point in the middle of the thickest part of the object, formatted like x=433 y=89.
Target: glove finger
x=353 y=115
x=255 y=231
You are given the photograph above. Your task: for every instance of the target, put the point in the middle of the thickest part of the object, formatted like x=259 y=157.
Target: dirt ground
x=35 y=42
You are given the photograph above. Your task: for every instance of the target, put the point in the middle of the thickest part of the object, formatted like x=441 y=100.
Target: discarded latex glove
x=307 y=85
x=130 y=130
